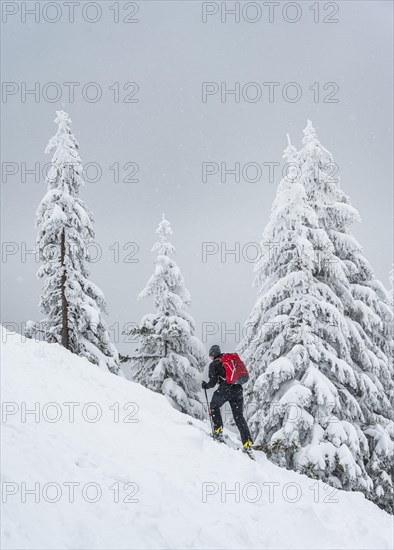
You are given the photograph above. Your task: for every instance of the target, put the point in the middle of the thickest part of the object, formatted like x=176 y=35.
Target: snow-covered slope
x=169 y=466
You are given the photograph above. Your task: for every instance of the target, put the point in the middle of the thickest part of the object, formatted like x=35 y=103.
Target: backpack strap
x=219 y=358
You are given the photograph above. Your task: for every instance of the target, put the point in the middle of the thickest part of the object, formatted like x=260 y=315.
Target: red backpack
x=236 y=372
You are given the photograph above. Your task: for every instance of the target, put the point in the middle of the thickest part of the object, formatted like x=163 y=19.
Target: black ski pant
x=233 y=393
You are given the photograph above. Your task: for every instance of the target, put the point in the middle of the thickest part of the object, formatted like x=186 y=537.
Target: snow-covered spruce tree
x=368 y=311
x=73 y=305
x=169 y=358
x=302 y=406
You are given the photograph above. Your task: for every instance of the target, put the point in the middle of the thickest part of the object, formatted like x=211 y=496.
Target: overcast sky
x=170 y=132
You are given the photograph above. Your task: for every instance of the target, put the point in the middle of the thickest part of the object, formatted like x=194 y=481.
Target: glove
x=204 y=385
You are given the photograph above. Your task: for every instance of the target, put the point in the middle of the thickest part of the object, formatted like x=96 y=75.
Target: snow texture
x=166 y=464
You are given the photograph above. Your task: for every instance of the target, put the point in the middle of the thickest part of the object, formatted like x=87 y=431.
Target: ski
x=226 y=440
x=250 y=453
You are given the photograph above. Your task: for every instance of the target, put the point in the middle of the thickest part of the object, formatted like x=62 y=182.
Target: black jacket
x=216 y=373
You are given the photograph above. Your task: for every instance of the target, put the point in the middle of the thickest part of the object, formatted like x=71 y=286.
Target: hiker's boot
x=218 y=434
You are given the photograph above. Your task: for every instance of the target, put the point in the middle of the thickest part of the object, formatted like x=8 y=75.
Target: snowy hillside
x=177 y=476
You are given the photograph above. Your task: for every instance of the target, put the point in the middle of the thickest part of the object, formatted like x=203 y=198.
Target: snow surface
x=165 y=461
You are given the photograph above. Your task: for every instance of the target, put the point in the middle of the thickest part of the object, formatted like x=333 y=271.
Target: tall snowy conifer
x=73 y=305
x=170 y=358
x=368 y=311
x=308 y=397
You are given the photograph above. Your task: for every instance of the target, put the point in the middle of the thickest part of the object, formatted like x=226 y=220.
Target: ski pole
x=209 y=412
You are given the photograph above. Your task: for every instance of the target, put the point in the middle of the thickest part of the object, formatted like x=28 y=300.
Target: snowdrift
x=102 y=462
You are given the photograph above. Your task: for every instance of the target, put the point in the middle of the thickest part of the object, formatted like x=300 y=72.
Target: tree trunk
x=65 y=342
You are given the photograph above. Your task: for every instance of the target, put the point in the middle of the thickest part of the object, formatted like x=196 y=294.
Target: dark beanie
x=215 y=351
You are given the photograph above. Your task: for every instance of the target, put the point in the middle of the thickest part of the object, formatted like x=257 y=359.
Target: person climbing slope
x=227 y=370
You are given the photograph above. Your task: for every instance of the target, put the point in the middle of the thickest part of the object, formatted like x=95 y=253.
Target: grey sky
x=170 y=132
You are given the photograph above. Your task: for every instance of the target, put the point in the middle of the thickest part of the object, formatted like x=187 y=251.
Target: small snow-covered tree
x=73 y=305
x=169 y=358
